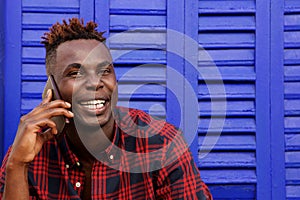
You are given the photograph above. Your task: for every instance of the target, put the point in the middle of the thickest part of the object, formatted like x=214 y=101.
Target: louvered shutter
x=227 y=33
x=24 y=51
x=252 y=68
x=134 y=31
x=292 y=97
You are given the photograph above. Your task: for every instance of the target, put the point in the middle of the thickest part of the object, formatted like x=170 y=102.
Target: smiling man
x=104 y=151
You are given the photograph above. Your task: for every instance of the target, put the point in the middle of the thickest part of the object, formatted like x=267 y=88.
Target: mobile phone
x=60 y=120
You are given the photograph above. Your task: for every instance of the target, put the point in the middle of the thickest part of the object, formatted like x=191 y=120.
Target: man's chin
x=91 y=122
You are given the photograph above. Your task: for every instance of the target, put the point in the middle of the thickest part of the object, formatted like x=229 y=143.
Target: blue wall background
x=254 y=45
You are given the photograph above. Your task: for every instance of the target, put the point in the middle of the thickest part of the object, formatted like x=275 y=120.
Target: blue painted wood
x=292 y=192
x=102 y=16
x=229 y=176
x=219 y=40
x=12 y=73
x=293 y=176
x=291 y=20
x=50 y=10
x=175 y=44
x=291 y=90
x=138 y=39
x=2 y=57
x=232 y=90
x=240 y=107
x=292 y=141
x=228 y=159
x=291 y=73
x=263 y=111
x=231 y=125
x=291 y=39
x=87 y=11
x=191 y=75
x=138 y=5
x=235 y=45
x=234 y=22
x=227 y=32
x=46 y=19
x=229 y=6
x=53 y=3
x=292 y=56
x=292 y=159
x=227 y=73
x=150 y=73
x=229 y=142
x=227 y=57
x=148 y=22
x=231 y=191
x=277 y=100
x=291 y=6
x=141 y=57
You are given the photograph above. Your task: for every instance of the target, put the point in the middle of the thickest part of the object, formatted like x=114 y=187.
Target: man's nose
x=94 y=82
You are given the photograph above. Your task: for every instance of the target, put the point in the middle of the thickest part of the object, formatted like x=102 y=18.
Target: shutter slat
x=45 y=18
x=292 y=142
x=228 y=6
x=225 y=40
x=125 y=22
x=228 y=159
x=52 y=3
x=138 y=40
x=234 y=22
x=230 y=125
x=233 y=108
x=230 y=176
x=227 y=73
x=231 y=191
x=227 y=142
x=231 y=91
x=138 y=4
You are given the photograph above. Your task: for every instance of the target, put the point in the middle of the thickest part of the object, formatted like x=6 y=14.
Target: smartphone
x=60 y=120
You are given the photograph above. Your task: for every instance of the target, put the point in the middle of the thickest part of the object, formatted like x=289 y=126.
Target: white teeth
x=93 y=104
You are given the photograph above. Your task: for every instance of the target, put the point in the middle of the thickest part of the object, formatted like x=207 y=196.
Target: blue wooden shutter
x=292 y=97
x=248 y=41
x=227 y=33
x=27 y=76
x=134 y=31
x=2 y=53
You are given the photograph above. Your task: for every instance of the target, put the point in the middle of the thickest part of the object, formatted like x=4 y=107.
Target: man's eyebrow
x=104 y=64
x=74 y=65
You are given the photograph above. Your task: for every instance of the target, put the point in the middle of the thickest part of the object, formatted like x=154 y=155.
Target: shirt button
x=67 y=166
x=111 y=157
x=78 y=164
x=78 y=184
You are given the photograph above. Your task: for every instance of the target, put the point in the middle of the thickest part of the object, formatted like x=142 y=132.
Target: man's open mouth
x=93 y=104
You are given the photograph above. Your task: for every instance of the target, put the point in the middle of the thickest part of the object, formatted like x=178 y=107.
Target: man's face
x=85 y=77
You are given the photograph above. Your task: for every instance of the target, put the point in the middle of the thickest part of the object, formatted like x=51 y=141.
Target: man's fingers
x=44 y=106
x=48 y=97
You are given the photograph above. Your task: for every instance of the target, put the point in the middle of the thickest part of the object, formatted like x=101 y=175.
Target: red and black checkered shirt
x=148 y=159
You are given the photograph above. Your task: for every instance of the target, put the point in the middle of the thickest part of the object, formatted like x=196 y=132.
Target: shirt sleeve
x=180 y=178
x=2 y=173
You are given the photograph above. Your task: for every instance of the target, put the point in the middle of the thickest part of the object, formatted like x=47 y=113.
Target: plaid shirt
x=143 y=173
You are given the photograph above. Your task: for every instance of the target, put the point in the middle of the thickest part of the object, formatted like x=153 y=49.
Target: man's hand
x=35 y=128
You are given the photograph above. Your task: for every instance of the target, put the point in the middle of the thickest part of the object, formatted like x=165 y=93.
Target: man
x=104 y=151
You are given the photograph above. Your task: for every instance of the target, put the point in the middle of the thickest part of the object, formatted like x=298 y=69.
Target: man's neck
x=81 y=138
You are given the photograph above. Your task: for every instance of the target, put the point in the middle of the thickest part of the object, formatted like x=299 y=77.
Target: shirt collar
x=111 y=154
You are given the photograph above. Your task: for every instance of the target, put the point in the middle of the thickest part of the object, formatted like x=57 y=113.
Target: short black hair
x=60 y=33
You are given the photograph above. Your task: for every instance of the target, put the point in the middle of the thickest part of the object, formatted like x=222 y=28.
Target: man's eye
x=104 y=71
x=76 y=73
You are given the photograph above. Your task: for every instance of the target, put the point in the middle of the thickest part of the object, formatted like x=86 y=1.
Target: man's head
x=83 y=70
x=60 y=33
